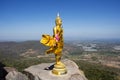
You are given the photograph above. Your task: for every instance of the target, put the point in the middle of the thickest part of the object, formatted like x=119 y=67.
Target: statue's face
x=58 y=22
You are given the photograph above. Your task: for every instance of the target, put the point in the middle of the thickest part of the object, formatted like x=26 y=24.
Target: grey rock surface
x=14 y=75
x=9 y=69
x=43 y=72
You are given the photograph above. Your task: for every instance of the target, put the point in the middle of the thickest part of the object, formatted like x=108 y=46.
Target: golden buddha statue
x=55 y=43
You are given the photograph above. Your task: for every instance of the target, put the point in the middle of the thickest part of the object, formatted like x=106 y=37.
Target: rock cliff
x=43 y=72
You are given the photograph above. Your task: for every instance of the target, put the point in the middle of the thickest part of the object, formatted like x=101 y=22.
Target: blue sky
x=82 y=19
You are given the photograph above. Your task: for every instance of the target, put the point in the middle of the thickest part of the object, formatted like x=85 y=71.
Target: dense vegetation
x=98 y=72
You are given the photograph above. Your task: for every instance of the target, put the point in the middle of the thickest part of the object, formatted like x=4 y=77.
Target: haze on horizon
x=82 y=19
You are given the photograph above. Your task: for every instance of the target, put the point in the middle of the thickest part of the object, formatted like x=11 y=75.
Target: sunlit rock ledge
x=43 y=72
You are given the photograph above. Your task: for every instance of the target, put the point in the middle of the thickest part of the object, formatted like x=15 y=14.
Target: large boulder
x=15 y=75
x=43 y=72
x=9 y=69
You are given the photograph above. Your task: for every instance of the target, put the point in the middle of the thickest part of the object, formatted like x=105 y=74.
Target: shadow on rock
x=3 y=72
x=50 y=67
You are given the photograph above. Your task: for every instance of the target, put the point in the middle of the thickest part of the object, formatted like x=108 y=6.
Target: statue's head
x=58 y=20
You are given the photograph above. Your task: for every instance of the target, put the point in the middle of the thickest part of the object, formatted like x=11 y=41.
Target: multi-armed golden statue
x=56 y=43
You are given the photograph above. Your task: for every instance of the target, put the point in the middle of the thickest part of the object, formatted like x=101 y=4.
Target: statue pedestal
x=59 y=69
x=38 y=72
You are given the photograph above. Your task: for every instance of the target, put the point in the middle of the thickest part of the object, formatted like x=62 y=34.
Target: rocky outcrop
x=43 y=72
x=14 y=75
x=9 y=69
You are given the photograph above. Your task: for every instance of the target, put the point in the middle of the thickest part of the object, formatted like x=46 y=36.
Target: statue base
x=59 y=69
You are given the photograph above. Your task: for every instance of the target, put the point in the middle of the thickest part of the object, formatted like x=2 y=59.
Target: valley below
x=100 y=60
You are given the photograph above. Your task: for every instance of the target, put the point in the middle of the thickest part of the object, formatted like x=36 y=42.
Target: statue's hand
x=54 y=45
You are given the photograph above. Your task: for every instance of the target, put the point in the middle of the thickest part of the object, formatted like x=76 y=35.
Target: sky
x=82 y=19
